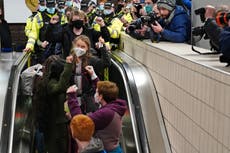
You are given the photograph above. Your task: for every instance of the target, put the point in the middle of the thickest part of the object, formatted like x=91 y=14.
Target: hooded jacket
x=179 y=28
x=107 y=120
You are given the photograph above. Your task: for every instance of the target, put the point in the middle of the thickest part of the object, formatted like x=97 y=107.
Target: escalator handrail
x=136 y=101
x=129 y=100
x=136 y=112
x=6 y=139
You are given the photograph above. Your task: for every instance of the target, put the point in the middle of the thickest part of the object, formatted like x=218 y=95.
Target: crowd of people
x=75 y=109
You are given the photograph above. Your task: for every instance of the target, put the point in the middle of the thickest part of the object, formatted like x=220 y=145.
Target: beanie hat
x=50 y=3
x=167 y=4
x=82 y=127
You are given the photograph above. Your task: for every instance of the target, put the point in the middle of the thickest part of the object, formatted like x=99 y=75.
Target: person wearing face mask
x=84 y=75
x=42 y=6
x=69 y=3
x=148 y=6
x=107 y=119
x=175 y=25
x=108 y=13
x=39 y=30
x=29 y=20
x=77 y=26
x=61 y=6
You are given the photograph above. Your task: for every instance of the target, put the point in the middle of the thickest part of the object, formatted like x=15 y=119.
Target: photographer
x=211 y=28
x=141 y=28
x=175 y=25
x=224 y=47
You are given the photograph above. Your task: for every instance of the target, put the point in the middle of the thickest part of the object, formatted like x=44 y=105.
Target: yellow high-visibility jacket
x=116 y=26
x=37 y=24
x=28 y=26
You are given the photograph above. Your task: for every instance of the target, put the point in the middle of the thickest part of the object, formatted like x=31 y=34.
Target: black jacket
x=69 y=36
x=6 y=41
x=213 y=32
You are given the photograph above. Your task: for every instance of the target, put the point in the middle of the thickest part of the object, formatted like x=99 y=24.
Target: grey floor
x=6 y=61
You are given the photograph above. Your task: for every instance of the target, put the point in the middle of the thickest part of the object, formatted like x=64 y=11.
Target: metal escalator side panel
x=148 y=103
x=6 y=122
x=6 y=143
x=130 y=105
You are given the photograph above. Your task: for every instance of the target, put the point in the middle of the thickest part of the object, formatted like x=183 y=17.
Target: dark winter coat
x=5 y=35
x=179 y=28
x=56 y=134
x=69 y=36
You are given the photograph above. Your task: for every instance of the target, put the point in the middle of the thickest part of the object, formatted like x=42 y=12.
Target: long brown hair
x=85 y=58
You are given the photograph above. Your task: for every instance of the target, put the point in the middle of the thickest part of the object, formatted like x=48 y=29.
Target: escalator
x=143 y=130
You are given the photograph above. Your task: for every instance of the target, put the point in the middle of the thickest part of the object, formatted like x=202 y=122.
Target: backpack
x=27 y=78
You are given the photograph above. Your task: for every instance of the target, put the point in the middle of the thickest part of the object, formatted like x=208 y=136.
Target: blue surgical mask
x=50 y=10
x=62 y=11
x=148 y=9
x=42 y=8
x=107 y=12
x=129 y=5
x=101 y=7
x=69 y=3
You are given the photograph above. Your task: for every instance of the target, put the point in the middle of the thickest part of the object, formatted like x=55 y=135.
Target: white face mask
x=96 y=98
x=79 y=51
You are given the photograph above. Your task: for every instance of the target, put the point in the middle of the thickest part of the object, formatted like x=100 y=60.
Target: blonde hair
x=77 y=12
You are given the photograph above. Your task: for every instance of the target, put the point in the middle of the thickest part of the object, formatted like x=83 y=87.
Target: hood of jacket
x=118 y=106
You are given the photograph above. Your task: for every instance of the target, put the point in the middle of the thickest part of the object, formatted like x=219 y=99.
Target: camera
x=198 y=31
x=201 y=12
x=222 y=18
x=135 y=25
x=144 y=20
x=151 y=18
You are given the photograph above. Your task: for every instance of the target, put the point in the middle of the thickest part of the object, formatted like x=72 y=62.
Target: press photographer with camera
x=224 y=42
x=210 y=28
x=175 y=23
x=141 y=28
x=216 y=28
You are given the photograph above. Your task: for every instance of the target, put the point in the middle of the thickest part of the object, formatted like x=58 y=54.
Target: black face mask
x=78 y=24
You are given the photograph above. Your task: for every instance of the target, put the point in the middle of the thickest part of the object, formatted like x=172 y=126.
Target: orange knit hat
x=82 y=127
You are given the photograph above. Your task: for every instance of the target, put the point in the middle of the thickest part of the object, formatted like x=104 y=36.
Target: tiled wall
x=195 y=99
x=18 y=36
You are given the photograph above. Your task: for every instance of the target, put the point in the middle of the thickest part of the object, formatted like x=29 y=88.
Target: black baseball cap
x=60 y=3
x=50 y=3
